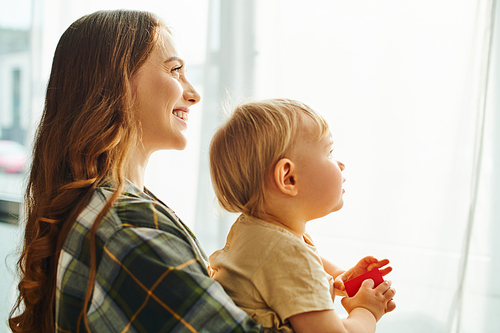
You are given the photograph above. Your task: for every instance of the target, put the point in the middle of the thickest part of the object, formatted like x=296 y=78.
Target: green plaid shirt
x=151 y=273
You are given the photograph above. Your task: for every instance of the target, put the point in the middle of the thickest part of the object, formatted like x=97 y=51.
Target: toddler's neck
x=295 y=226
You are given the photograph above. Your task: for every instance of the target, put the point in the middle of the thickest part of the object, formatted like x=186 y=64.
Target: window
x=403 y=85
x=15 y=97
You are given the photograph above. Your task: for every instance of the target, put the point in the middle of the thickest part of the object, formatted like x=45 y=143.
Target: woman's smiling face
x=162 y=96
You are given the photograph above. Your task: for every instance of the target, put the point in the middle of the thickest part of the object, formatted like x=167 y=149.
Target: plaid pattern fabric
x=151 y=273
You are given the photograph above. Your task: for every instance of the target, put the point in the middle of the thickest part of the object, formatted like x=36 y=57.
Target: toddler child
x=272 y=162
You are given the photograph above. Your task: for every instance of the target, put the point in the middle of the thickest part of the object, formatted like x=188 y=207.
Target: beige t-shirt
x=270 y=273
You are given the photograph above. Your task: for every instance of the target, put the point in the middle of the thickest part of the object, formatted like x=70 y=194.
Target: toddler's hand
x=364 y=265
x=378 y=301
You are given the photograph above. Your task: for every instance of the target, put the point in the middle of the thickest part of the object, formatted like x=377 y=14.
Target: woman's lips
x=181 y=113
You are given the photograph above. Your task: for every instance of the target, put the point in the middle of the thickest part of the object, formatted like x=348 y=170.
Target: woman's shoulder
x=132 y=209
x=139 y=209
x=134 y=220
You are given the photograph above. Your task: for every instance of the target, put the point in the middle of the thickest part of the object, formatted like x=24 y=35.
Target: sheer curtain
x=403 y=84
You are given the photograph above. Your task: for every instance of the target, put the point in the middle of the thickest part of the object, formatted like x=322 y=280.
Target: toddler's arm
x=331 y=268
x=364 y=309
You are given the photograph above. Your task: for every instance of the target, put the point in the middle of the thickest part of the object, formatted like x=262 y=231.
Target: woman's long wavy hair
x=86 y=133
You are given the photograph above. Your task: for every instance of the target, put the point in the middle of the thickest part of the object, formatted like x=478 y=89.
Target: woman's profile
x=101 y=253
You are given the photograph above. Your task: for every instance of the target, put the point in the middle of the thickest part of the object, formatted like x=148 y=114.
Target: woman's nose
x=190 y=94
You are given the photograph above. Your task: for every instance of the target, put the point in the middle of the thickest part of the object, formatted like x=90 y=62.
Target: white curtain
x=403 y=84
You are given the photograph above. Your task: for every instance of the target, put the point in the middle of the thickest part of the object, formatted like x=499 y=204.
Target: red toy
x=352 y=286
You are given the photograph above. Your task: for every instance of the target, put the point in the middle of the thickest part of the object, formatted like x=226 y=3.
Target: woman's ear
x=285 y=178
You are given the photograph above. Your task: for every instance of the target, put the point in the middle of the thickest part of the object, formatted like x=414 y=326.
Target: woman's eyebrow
x=175 y=58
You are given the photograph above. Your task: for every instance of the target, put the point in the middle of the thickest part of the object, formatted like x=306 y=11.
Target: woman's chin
x=181 y=145
x=178 y=142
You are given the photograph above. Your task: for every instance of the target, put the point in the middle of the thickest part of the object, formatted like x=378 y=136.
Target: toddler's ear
x=285 y=178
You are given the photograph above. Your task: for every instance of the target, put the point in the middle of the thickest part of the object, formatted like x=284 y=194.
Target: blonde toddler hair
x=248 y=145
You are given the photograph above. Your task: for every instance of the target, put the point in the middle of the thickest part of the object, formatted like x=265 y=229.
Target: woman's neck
x=136 y=167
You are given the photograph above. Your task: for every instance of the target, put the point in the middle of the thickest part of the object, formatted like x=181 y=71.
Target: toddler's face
x=320 y=176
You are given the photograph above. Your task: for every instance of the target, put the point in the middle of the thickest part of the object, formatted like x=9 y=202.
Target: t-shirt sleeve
x=157 y=284
x=292 y=281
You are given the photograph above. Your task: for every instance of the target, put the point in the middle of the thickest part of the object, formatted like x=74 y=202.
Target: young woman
x=102 y=253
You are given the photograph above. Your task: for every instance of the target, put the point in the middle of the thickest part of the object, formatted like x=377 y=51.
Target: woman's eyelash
x=178 y=68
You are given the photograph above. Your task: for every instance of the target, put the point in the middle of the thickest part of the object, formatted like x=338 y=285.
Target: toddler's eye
x=330 y=154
